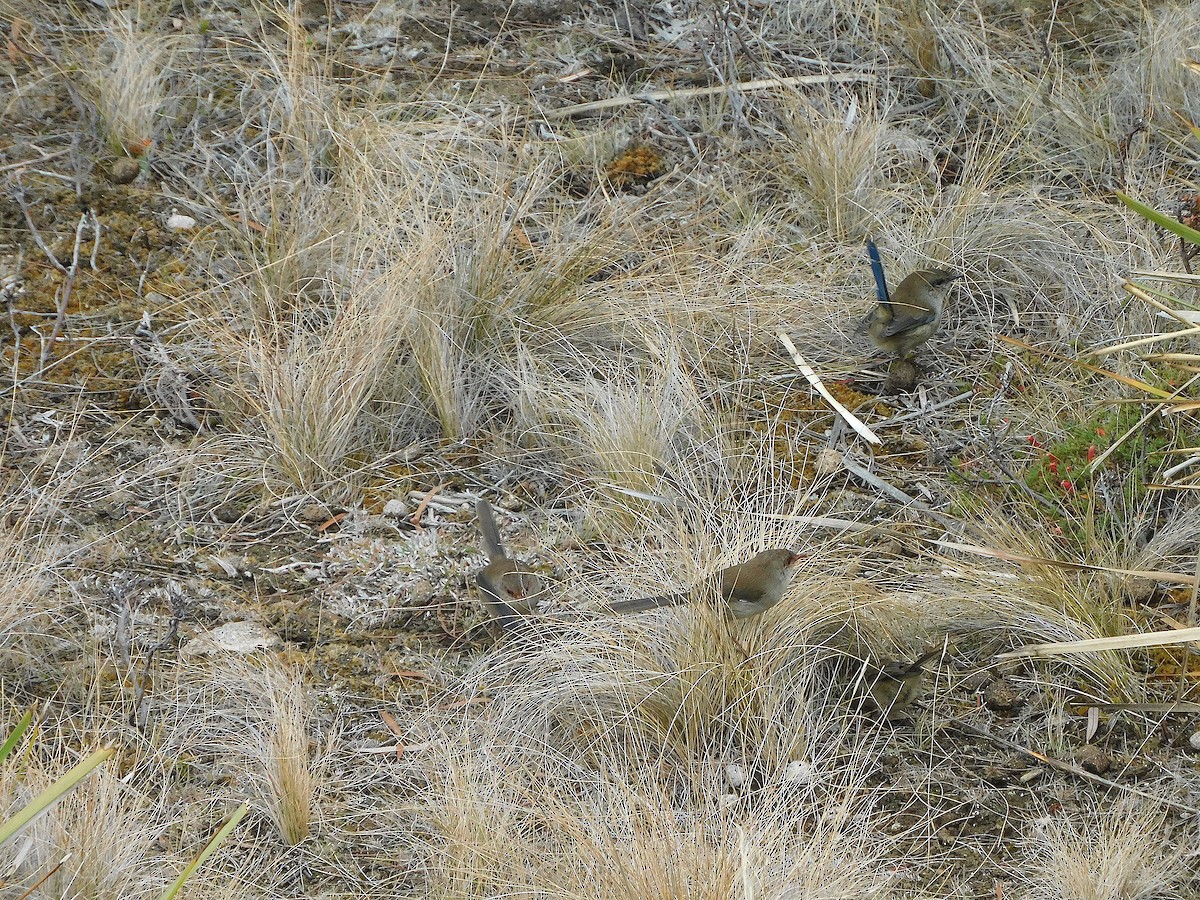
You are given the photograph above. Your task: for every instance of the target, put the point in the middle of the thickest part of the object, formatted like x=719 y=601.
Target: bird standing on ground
x=910 y=315
x=895 y=686
x=748 y=589
x=510 y=589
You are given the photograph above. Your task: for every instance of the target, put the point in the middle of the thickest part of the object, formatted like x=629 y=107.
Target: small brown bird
x=749 y=588
x=909 y=316
x=510 y=589
x=895 y=686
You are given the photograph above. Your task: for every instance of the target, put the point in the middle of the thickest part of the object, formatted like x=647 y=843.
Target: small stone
x=220 y=566
x=227 y=513
x=1139 y=590
x=180 y=222
x=421 y=591
x=124 y=171
x=798 y=772
x=976 y=681
x=736 y=775
x=1001 y=697
x=996 y=775
x=901 y=377
x=314 y=514
x=236 y=637
x=1092 y=759
x=829 y=462
x=396 y=509
x=1194 y=741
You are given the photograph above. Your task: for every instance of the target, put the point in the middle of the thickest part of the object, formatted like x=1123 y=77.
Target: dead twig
x=583 y=109
x=890 y=490
x=12 y=167
x=924 y=412
x=807 y=371
x=63 y=294
x=1102 y=645
x=424 y=504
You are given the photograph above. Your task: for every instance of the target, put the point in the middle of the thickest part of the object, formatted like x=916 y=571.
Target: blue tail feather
x=877 y=271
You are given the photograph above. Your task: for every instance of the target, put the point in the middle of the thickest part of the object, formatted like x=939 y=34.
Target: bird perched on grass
x=510 y=588
x=910 y=315
x=749 y=588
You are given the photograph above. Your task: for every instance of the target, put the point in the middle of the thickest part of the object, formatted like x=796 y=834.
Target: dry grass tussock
x=1105 y=856
x=96 y=841
x=412 y=278
x=525 y=811
x=126 y=69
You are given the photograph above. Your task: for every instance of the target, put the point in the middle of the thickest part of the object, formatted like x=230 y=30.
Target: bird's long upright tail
x=487 y=528
x=877 y=270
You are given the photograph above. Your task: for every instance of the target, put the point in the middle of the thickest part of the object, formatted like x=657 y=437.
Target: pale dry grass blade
x=271 y=742
x=834 y=152
x=597 y=773
x=1099 y=645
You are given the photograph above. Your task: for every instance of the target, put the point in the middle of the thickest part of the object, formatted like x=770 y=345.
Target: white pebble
x=179 y=222
x=798 y=772
x=735 y=775
x=396 y=509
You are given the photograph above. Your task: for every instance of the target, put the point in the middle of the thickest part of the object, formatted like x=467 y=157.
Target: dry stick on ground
x=424 y=504
x=582 y=109
x=30 y=162
x=1177 y=625
x=952 y=525
x=807 y=371
x=1067 y=767
x=1101 y=645
x=925 y=411
x=64 y=292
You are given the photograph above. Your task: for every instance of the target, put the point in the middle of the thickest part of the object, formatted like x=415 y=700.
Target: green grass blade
x=52 y=794
x=24 y=723
x=223 y=832
x=1188 y=234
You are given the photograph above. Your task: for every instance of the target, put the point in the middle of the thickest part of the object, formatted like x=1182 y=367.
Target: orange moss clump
x=635 y=166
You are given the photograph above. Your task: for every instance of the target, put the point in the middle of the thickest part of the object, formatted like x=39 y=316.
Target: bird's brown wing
x=905 y=319
x=509 y=591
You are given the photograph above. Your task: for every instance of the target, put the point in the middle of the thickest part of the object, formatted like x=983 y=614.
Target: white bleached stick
x=806 y=370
